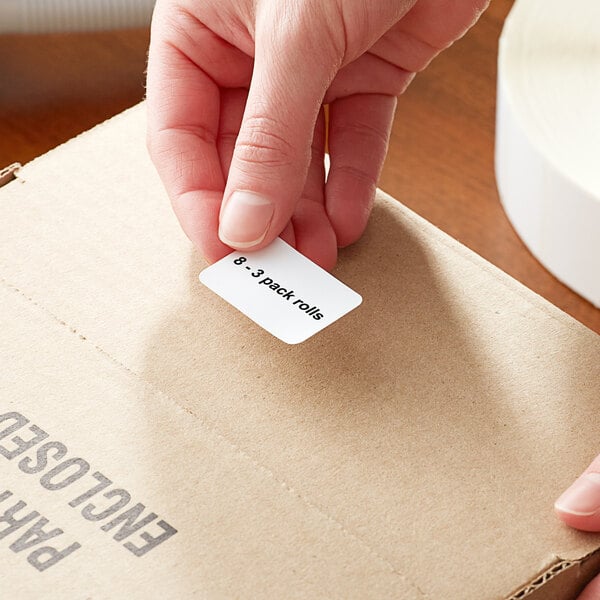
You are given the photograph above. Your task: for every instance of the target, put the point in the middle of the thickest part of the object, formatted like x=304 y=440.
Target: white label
x=281 y=290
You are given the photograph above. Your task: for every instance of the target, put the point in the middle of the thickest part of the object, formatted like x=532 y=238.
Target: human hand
x=236 y=125
x=579 y=507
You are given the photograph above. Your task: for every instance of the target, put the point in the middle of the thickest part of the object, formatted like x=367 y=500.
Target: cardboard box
x=155 y=443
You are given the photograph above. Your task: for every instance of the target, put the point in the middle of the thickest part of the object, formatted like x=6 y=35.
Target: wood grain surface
x=440 y=161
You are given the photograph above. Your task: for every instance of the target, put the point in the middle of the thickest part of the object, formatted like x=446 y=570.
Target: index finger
x=183 y=122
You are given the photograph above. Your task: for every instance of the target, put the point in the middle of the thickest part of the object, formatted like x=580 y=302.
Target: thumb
x=579 y=505
x=294 y=66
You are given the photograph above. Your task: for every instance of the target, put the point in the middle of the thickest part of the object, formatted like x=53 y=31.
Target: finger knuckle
x=362 y=133
x=259 y=143
x=348 y=171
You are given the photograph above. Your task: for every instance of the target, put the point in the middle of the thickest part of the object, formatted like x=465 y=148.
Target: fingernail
x=582 y=498
x=245 y=219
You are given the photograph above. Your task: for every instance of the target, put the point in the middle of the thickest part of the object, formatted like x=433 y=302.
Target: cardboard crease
x=210 y=427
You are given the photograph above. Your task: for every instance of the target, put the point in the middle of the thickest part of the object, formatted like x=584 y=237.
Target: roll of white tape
x=37 y=16
x=548 y=135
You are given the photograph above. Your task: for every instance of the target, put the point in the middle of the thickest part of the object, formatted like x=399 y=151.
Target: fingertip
x=315 y=237
x=347 y=238
x=328 y=260
x=579 y=505
x=198 y=212
x=245 y=220
x=581 y=522
x=349 y=216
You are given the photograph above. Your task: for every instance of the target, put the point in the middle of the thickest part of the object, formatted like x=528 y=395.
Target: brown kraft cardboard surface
x=155 y=443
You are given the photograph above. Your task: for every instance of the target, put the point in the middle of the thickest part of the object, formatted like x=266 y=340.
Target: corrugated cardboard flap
x=411 y=450
x=561 y=579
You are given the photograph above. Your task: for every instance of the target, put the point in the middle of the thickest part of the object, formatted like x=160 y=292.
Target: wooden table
x=440 y=162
